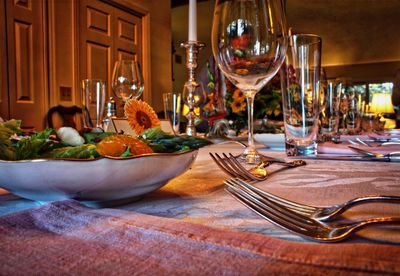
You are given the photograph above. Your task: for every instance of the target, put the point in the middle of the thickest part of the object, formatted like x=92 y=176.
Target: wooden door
x=26 y=61
x=107 y=33
x=96 y=39
x=3 y=65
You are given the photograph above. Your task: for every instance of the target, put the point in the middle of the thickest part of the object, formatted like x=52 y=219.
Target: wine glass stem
x=250 y=122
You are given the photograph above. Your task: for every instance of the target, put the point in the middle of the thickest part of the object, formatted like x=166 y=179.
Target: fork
x=299 y=224
x=373 y=154
x=318 y=213
x=232 y=167
x=358 y=141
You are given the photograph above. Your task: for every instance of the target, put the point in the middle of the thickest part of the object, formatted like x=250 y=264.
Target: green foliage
x=8 y=129
x=85 y=151
x=159 y=141
x=35 y=145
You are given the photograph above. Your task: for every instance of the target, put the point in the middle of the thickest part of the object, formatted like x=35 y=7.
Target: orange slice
x=116 y=145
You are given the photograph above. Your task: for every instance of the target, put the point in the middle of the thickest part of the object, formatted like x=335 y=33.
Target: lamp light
x=382 y=104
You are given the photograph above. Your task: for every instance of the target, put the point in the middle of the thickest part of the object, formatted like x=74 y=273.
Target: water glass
x=330 y=103
x=300 y=81
x=353 y=116
x=172 y=110
x=93 y=102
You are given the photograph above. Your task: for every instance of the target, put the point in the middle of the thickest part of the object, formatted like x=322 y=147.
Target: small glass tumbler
x=330 y=111
x=300 y=79
x=172 y=110
x=370 y=122
x=353 y=116
x=93 y=102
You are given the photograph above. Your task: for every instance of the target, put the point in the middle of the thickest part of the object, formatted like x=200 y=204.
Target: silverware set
x=358 y=141
x=229 y=164
x=315 y=223
x=299 y=223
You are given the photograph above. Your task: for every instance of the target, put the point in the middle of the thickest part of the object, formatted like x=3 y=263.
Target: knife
x=349 y=158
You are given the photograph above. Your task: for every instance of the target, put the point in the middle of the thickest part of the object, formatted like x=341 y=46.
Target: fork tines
x=274 y=212
x=232 y=167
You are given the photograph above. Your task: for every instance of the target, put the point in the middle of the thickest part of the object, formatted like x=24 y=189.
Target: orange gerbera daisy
x=238 y=106
x=140 y=115
x=238 y=95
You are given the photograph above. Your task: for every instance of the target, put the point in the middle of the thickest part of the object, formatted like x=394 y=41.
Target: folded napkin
x=69 y=238
x=343 y=148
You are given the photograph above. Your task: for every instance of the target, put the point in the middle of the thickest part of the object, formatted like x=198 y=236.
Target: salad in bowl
x=65 y=164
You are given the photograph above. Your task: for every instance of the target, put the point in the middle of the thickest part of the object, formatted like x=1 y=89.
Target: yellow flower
x=238 y=96
x=238 y=106
x=185 y=110
x=140 y=115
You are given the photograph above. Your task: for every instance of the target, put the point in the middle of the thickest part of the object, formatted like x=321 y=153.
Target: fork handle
x=369 y=199
x=374 y=221
x=363 y=200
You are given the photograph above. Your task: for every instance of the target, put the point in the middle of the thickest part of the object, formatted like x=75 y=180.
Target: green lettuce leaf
x=85 y=151
x=35 y=145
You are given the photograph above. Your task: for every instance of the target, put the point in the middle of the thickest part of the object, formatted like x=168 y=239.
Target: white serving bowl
x=102 y=179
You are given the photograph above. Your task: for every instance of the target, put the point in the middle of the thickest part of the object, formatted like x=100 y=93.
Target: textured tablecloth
x=68 y=238
x=197 y=197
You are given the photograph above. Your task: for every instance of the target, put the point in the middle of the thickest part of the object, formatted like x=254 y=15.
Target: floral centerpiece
x=267 y=103
x=225 y=101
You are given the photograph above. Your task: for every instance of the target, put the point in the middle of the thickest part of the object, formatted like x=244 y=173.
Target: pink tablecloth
x=69 y=238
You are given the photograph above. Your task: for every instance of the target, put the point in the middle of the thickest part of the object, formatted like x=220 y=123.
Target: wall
x=179 y=23
x=360 y=38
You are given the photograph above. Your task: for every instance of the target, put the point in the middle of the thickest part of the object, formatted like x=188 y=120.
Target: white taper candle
x=192 y=20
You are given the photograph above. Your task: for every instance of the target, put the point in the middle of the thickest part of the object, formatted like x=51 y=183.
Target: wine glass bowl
x=249 y=44
x=127 y=80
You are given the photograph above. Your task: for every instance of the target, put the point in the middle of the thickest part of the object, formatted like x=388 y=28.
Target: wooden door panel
x=129 y=36
x=98 y=61
x=98 y=21
x=126 y=55
x=96 y=40
x=23 y=63
x=26 y=63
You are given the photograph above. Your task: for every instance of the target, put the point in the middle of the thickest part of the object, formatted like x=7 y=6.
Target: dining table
x=193 y=226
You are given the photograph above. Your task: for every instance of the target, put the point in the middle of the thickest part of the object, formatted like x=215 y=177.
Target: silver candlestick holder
x=192 y=49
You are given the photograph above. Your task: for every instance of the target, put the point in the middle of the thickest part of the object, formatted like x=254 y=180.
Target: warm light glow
x=382 y=103
x=185 y=110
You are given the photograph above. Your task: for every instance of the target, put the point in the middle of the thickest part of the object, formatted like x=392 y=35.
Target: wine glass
x=249 y=42
x=127 y=80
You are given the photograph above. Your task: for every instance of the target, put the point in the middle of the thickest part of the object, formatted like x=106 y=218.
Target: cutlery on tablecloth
x=319 y=213
x=230 y=165
x=375 y=154
x=363 y=158
x=303 y=225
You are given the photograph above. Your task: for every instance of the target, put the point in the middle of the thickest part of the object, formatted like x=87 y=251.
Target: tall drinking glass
x=329 y=115
x=249 y=45
x=172 y=110
x=93 y=102
x=300 y=79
